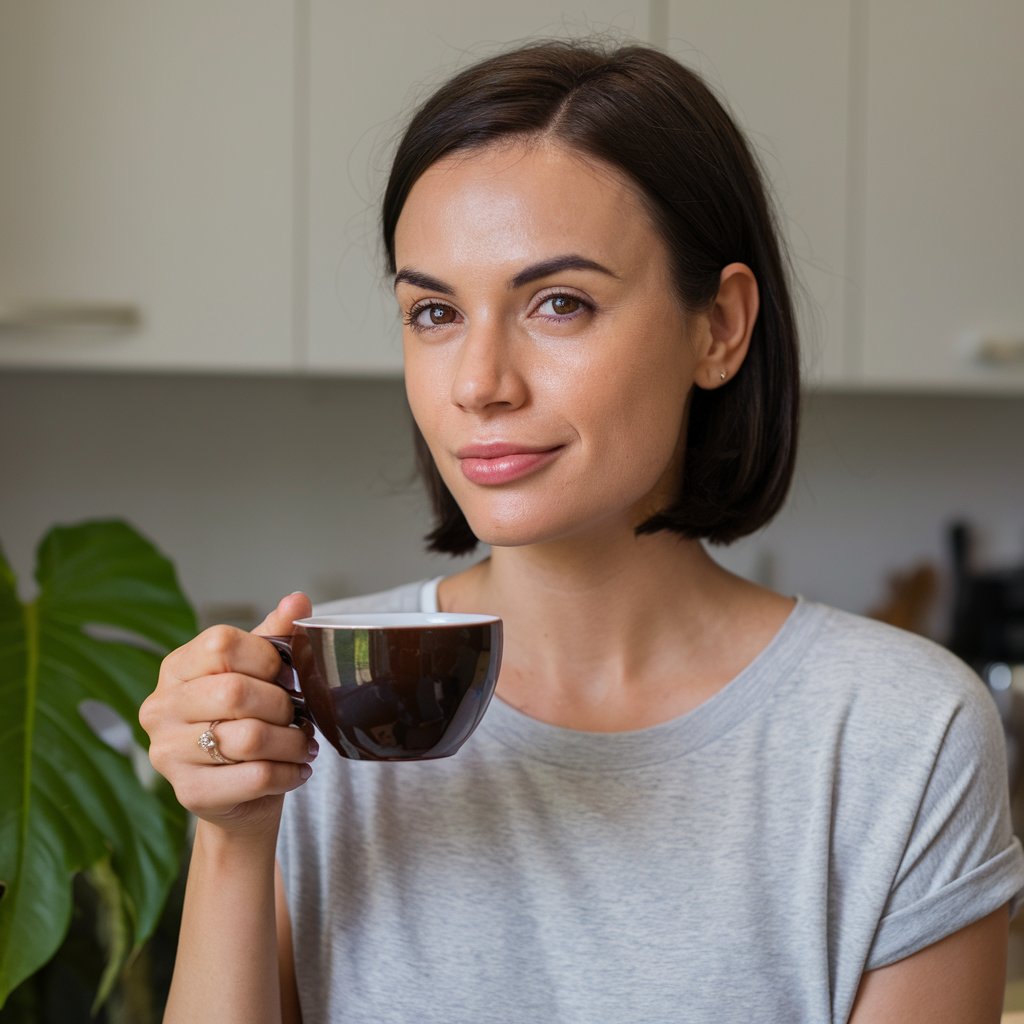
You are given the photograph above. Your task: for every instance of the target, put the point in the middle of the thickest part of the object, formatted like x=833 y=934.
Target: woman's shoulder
x=407 y=597
x=886 y=672
x=873 y=650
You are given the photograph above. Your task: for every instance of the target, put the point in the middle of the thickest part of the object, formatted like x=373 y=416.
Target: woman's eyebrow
x=569 y=261
x=420 y=280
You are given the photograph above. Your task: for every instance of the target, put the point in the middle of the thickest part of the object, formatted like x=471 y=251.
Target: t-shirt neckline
x=675 y=737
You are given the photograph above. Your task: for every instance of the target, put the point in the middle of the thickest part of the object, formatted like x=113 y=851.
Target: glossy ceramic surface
x=393 y=687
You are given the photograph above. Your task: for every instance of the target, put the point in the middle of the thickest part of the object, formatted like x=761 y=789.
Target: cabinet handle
x=1000 y=351
x=69 y=315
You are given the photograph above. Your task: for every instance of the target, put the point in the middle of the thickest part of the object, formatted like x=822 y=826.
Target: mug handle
x=288 y=678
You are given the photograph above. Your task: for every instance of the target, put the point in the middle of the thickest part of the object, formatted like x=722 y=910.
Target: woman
x=693 y=798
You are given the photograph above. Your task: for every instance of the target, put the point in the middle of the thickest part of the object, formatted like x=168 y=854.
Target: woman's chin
x=529 y=531
x=498 y=533
x=506 y=538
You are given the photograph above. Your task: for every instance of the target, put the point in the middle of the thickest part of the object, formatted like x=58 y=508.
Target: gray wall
x=256 y=487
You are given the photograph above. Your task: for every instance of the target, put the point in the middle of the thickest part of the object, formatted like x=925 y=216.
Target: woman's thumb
x=279 y=621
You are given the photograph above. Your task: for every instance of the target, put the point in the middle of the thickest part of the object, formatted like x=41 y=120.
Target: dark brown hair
x=658 y=122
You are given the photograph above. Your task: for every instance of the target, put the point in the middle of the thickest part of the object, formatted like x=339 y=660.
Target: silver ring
x=209 y=743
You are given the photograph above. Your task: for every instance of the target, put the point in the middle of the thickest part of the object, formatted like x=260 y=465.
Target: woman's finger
x=247 y=739
x=280 y=621
x=222 y=649
x=230 y=695
x=222 y=789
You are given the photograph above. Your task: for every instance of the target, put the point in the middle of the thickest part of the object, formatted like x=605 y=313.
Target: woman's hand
x=225 y=675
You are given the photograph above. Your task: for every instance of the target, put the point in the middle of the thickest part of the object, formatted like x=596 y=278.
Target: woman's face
x=547 y=357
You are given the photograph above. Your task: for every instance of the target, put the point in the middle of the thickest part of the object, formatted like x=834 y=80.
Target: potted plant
x=89 y=847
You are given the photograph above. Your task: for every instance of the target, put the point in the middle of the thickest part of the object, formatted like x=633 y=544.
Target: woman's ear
x=729 y=323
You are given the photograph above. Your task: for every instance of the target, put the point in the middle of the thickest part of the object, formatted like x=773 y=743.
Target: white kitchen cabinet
x=368 y=65
x=213 y=168
x=784 y=70
x=943 y=245
x=148 y=165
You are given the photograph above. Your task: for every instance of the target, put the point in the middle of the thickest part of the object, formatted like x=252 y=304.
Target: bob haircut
x=642 y=112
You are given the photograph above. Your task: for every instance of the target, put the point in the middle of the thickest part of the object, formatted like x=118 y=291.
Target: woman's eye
x=434 y=314
x=560 y=305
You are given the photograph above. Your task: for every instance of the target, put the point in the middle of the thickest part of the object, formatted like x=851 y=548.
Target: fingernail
x=314 y=749
x=305 y=771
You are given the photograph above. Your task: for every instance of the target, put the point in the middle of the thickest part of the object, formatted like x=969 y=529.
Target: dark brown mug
x=405 y=686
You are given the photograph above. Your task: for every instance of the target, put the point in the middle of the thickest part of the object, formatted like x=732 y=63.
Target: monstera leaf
x=108 y=608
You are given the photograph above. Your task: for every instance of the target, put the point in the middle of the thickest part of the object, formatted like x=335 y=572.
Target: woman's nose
x=487 y=374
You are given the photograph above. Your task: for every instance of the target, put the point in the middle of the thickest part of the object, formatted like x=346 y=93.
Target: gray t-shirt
x=839 y=805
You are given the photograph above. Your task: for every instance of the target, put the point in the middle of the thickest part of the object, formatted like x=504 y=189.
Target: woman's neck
x=619 y=635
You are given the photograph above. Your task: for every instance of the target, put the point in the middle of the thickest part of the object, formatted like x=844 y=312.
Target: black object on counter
x=988 y=609
x=987 y=631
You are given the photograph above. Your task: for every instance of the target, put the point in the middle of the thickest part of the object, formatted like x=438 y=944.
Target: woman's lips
x=502 y=463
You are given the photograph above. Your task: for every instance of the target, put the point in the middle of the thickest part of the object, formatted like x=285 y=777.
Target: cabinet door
x=369 y=65
x=944 y=167
x=783 y=69
x=147 y=174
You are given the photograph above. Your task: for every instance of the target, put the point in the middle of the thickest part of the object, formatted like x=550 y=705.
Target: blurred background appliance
x=987 y=631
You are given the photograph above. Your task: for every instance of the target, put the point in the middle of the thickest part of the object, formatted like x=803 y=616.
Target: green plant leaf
x=68 y=801
x=114 y=926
